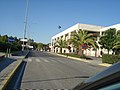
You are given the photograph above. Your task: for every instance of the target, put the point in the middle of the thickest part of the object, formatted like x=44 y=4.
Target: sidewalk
x=19 y=55
x=98 y=61
x=2 y=55
x=8 y=66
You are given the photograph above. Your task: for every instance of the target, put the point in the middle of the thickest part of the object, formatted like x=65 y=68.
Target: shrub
x=111 y=59
x=74 y=55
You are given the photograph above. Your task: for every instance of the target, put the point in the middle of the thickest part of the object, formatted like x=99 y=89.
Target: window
x=115 y=86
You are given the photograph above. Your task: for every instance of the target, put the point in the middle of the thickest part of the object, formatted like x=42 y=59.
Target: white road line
x=29 y=60
x=45 y=60
x=37 y=60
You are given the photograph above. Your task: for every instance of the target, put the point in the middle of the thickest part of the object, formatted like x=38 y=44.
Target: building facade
x=66 y=34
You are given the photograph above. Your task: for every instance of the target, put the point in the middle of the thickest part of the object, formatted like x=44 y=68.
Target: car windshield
x=57 y=44
x=115 y=86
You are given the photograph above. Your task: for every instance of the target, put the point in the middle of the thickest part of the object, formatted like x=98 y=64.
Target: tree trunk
x=108 y=51
x=80 y=51
x=60 y=50
x=77 y=51
x=95 y=52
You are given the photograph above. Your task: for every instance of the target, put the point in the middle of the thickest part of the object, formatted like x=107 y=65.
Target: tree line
x=81 y=40
x=110 y=40
x=16 y=44
x=5 y=43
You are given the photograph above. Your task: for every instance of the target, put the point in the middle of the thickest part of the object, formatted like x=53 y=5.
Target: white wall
x=86 y=27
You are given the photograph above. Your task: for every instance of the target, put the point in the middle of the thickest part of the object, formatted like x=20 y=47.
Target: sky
x=44 y=16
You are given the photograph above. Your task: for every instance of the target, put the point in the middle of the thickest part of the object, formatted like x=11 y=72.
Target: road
x=47 y=71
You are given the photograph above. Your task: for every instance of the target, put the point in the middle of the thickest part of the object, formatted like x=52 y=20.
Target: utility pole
x=25 y=24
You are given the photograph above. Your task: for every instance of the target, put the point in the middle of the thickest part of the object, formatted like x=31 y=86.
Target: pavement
x=43 y=70
x=92 y=61
x=2 y=55
x=47 y=71
x=97 y=61
x=8 y=67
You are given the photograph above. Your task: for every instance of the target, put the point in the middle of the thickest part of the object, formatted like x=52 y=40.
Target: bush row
x=111 y=59
x=74 y=55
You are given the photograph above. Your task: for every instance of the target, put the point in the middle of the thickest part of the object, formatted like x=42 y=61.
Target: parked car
x=109 y=79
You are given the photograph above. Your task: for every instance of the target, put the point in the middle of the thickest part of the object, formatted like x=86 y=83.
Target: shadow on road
x=5 y=62
x=41 y=54
x=56 y=79
x=16 y=80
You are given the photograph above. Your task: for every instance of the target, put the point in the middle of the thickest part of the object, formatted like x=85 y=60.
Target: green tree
x=34 y=44
x=5 y=44
x=107 y=39
x=116 y=45
x=40 y=46
x=4 y=38
x=81 y=38
x=61 y=44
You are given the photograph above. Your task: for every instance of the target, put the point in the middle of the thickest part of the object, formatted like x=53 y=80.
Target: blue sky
x=46 y=15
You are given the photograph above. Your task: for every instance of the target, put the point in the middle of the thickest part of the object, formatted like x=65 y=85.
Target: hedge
x=111 y=59
x=74 y=55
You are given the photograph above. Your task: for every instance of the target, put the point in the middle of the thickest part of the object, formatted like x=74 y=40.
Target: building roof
x=78 y=26
x=117 y=26
x=89 y=27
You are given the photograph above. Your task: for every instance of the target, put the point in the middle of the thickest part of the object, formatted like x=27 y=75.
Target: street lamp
x=25 y=24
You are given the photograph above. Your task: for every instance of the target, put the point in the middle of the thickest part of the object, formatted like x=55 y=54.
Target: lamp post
x=25 y=25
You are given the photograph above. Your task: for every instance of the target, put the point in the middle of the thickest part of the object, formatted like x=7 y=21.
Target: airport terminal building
x=94 y=29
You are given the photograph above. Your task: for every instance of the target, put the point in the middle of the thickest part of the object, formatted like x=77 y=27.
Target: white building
x=66 y=34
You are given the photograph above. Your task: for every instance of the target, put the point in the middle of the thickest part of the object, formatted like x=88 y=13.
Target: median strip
x=9 y=76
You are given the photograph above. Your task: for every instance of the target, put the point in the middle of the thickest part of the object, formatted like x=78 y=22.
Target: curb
x=7 y=79
x=83 y=60
x=105 y=65
x=26 y=56
x=9 y=76
x=2 y=55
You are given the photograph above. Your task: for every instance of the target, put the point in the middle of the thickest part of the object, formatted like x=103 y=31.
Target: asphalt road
x=42 y=70
x=47 y=71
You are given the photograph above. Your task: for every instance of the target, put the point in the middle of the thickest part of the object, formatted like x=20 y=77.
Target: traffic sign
x=11 y=39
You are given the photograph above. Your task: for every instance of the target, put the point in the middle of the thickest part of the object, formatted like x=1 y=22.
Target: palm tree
x=81 y=38
x=61 y=44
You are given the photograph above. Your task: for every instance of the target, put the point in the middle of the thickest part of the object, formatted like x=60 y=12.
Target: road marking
x=46 y=60
x=37 y=60
x=29 y=60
